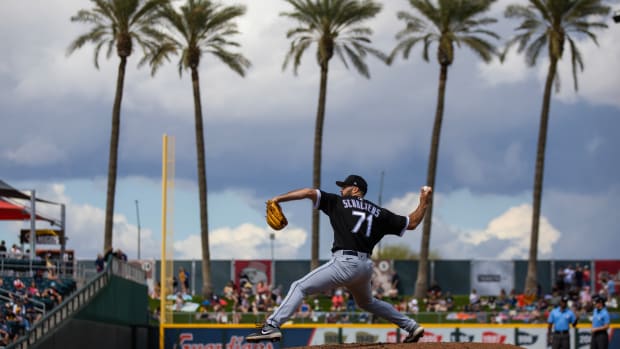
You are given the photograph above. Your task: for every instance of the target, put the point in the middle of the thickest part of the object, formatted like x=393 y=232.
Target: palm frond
x=335 y=27
x=550 y=24
x=450 y=22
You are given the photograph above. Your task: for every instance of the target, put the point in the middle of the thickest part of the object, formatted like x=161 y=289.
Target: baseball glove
x=275 y=217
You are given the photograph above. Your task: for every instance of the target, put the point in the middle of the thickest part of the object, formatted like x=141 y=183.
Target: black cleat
x=415 y=335
x=266 y=333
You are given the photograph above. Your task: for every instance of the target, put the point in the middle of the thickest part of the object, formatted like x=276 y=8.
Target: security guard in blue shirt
x=560 y=319
x=600 y=324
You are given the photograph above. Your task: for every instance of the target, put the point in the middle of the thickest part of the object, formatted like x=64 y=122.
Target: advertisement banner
x=251 y=272
x=148 y=265
x=382 y=272
x=44 y=236
x=233 y=337
x=609 y=269
x=490 y=277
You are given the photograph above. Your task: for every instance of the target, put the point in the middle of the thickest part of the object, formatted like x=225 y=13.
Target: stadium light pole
x=138 y=217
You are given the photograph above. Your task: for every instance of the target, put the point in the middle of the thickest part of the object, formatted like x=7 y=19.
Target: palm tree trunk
x=421 y=284
x=531 y=281
x=202 y=187
x=316 y=167
x=113 y=160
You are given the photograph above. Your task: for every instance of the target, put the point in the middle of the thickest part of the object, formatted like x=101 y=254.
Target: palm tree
x=448 y=23
x=118 y=24
x=549 y=23
x=201 y=27
x=335 y=27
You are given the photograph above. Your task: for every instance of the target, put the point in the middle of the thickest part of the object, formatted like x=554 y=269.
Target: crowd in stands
x=25 y=295
x=530 y=306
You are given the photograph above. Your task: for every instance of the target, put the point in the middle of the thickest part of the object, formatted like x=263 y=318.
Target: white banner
x=490 y=277
x=529 y=337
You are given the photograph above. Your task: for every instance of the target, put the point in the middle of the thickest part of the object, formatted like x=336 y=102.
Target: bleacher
x=28 y=290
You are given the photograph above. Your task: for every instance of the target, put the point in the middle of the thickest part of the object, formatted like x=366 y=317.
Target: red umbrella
x=14 y=212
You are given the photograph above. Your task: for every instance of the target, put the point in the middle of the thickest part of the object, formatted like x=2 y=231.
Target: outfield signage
x=488 y=278
x=233 y=336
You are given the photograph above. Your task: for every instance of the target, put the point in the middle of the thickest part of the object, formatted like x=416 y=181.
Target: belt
x=561 y=332
x=352 y=253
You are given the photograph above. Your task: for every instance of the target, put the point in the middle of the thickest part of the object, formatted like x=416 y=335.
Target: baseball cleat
x=266 y=333
x=415 y=335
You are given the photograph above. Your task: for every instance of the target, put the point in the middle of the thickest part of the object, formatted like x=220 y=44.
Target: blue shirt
x=600 y=318
x=561 y=319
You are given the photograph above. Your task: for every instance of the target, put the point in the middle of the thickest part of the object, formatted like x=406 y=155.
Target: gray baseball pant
x=352 y=272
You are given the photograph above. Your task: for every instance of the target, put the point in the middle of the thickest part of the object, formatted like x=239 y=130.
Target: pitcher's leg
x=360 y=289
x=320 y=279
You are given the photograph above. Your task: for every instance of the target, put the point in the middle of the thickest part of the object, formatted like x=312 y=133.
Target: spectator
x=229 y=290
x=610 y=288
x=569 y=277
x=337 y=300
x=474 y=301
x=108 y=255
x=33 y=291
x=121 y=255
x=179 y=302
x=183 y=277
x=5 y=338
x=16 y=252
x=587 y=279
x=3 y=250
x=99 y=263
x=529 y=298
x=413 y=306
x=305 y=310
x=449 y=302
x=607 y=286
x=585 y=298
x=244 y=305
x=19 y=286
x=350 y=302
x=49 y=265
x=579 y=277
x=434 y=291
x=394 y=291
x=263 y=290
x=156 y=291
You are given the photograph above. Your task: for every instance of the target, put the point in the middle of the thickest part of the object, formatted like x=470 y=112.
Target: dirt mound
x=413 y=346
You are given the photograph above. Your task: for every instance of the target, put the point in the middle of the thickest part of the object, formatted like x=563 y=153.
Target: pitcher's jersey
x=358 y=223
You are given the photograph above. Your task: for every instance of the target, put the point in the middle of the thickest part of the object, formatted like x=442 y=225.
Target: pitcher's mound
x=413 y=346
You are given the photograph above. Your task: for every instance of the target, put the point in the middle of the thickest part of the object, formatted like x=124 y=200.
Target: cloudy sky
x=55 y=112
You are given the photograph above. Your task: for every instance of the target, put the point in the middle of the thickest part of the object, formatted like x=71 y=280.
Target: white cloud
x=515 y=226
x=245 y=241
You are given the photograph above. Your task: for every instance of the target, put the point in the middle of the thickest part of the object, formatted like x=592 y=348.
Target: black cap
x=600 y=299
x=564 y=299
x=354 y=180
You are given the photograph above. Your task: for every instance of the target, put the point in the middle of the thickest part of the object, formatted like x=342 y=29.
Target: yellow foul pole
x=162 y=278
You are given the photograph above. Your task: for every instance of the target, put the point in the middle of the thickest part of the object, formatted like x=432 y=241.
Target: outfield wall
x=232 y=336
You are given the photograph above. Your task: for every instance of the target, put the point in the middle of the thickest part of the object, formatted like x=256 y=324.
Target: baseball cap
x=600 y=299
x=355 y=180
x=564 y=299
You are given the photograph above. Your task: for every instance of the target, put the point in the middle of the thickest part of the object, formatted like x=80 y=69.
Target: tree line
x=191 y=29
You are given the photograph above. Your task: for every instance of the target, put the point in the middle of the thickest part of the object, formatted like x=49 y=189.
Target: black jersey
x=358 y=223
